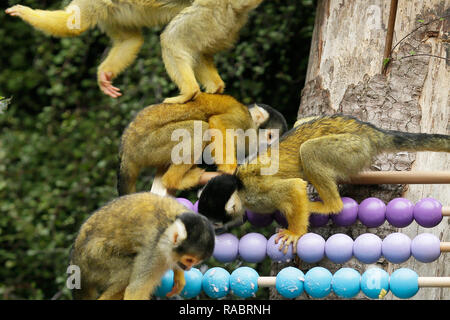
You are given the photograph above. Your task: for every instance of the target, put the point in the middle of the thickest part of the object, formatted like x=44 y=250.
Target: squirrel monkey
x=196 y=30
x=147 y=140
x=321 y=150
x=124 y=248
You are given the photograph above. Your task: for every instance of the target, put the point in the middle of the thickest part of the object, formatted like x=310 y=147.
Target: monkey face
x=220 y=202
x=198 y=242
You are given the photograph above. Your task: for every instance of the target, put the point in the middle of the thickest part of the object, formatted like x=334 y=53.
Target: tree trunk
x=344 y=76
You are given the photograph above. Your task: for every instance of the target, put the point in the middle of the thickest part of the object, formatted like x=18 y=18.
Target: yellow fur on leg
x=56 y=23
x=292 y=200
x=206 y=73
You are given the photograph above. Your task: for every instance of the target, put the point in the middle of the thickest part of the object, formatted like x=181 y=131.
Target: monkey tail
x=419 y=141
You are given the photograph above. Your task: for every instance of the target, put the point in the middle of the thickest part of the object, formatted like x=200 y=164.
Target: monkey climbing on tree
x=147 y=140
x=196 y=31
x=124 y=248
x=323 y=151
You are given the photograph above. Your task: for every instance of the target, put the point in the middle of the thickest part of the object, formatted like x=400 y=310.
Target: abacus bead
x=426 y=247
x=193 y=285
x=372 y=212
x=185 y=202
x=252 y=247
x=259 y=219
x=275 y=254
x=280 y=219
x=216 y=282
x=396 y=247
x=339 y=248
x=348 y=215
x=226 y=247
x=318 y=220
x=318 y=282
x=244 y=282
x=165 y=285
x=404 y=283
x=428 y=212
x=346 y=282
x=289 y=282
x=367 y=248
x=311 y=248
x=400 y=212
x=375 y=283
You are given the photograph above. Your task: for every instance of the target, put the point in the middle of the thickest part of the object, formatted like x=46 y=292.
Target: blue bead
x=244 y=282
x=193 y=285
x=166 y=284
x=404 y=283
x=289 y=282
x=375 y=283
x=318 y=282
x=346 y=283
x=216 y=282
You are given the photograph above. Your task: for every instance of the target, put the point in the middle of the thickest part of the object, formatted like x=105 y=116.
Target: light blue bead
x=193 y=285
x=290 y=282
x=404 y=283
x=216 y=282
x=166 y=284
x=318 y=282
x=375 y=283
x=346 y=283
x=244 y=282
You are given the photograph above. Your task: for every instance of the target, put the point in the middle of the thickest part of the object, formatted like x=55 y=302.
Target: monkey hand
x=287 y=238
x=105 y=84
x=18 y=10
x=178 y=283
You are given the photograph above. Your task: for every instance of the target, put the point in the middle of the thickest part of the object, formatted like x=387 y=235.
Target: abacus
x=319 y=282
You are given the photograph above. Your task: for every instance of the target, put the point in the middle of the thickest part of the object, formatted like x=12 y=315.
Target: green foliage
x=59 y=135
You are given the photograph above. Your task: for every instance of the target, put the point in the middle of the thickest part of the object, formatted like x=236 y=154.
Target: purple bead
x=339 y=248
x=311 y=247
x=367 y=248
x=280 y=219
x=428 y=212
x=259 y=219
x=318 y=220
x=196 y=206
x=252 y=247
x=275 y=254
x=396 y=247
x=372 y=212
x=399 y=212
x=348 y=215
x=186 y=203
x=226 y=247
x=426 y=247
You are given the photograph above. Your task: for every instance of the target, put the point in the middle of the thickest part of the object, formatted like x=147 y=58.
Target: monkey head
x=192 y=238
x=219 y=202
x=266 y=117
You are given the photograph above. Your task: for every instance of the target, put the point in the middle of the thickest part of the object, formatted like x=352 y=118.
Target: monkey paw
x=178 y=285
x=287 y=238
x=182 y=98
x=105 y=84
x=215 y=88
x=17 y=10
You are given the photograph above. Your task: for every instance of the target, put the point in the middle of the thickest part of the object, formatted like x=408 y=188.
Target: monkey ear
x=177 y=232
x=258 y=114
x=234 y=205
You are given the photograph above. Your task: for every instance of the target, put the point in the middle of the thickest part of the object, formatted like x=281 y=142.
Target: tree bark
x=344 y=76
